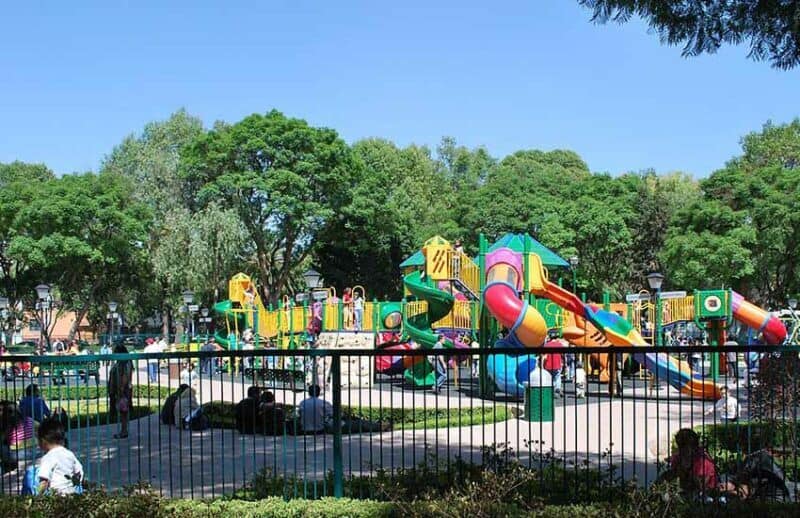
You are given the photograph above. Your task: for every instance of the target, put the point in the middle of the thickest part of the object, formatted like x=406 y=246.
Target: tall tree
x=19 y=185
x=150 y=160
x=703 y=26
x=750 y=215
x=283 y=177
x=84 y=234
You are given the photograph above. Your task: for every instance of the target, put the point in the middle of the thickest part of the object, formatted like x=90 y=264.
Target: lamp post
x=312 y=278
x=112 y=317
x=655 y=280
x=188 y=298
x=573 y=264
x=43 y=294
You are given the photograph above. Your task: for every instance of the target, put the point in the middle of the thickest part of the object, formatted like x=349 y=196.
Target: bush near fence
x=222 y=415
x=61 y=392
x=728 y=443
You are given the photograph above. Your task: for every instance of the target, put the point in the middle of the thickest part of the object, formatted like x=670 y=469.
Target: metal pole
x=338 y=465
x=658 y=318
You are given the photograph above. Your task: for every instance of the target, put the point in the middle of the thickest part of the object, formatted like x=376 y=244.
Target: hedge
x=221 y=414
x=82 y=392
x=100 y=505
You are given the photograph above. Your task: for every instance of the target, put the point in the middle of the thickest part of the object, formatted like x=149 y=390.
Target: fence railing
x=379 y=411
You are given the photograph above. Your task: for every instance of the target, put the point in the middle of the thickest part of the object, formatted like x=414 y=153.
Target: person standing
x=553 y=363
x=458 y=250
x=726 y=408
x=152 y=347
x=439 y=365
x=120 y=390
x=347 y=308
x=358 y=310
x=732 y=359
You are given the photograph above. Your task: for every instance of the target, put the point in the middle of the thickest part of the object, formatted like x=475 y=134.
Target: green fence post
x=338 y=465
x=376 y=315
x=483 y=332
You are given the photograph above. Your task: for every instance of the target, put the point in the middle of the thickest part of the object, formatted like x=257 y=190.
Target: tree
x=84 y=234
x=285 y=179
x=750 y=213
x=373 y=233
x=703 y=26
x=203 y=250
x=19 y=185
x=150 y=160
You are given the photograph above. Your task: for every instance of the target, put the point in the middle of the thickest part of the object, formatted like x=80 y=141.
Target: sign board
x=194 y=307
x=673 y=294
x=635 y=297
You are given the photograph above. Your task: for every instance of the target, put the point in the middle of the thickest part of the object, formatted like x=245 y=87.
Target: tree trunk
x=165 y=322
x=73 y=329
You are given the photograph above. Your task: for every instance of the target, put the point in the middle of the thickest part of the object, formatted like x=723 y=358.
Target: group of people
x=353 y=309
x=31 y=422
x=258 y=413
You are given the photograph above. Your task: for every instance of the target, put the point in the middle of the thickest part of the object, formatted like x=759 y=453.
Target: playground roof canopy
x=516 y=242
x=416 y=259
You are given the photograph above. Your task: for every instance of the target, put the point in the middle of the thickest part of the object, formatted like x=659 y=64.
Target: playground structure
x=503 y=298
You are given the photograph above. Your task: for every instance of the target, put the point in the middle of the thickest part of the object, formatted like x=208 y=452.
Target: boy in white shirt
x=59 y=470
x=727 y=408
x=580 y=381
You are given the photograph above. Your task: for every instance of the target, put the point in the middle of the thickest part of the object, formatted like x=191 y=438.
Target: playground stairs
x=357 y=371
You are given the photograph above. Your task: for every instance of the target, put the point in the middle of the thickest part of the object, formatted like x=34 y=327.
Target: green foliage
x=284 y=178
x=222 y=415
x=703 y=26
x=744 y=232
x=77 y=393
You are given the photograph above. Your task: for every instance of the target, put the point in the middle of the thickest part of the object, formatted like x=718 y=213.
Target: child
x=580 y=381
x=59 y=469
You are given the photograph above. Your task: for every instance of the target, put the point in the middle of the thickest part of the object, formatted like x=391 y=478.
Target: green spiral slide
x=418 y=327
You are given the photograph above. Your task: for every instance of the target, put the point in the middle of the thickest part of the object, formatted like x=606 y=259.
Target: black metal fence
x=378 y=412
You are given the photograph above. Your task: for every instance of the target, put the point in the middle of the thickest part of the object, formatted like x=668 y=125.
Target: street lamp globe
x=112 y=306
x=188 y=297
x=204 y=312
x=43 y=291
x=655 y=280
x=792 y=303
x=312 y=278
x=3 y=303
x=573 y=261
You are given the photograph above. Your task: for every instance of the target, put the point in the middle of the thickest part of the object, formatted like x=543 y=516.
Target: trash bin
x=539 y=404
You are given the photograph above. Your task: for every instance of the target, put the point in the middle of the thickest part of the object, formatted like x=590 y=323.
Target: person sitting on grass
x=271 y=415
x=168 y=410
x=691 y=465
x=246 y=411
x=186 y=408
x=59 y=470
x=32 y=405
x=315 y=412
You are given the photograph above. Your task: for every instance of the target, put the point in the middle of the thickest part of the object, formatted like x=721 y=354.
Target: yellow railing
x=675 y=310
x=463 y=269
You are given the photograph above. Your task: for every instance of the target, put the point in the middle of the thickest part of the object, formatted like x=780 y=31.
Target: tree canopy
x=771 y=29
x=180 y=206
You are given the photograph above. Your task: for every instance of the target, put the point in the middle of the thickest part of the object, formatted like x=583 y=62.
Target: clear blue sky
x=76 y=77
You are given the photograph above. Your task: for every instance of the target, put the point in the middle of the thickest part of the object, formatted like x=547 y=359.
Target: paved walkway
x=631 y=433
